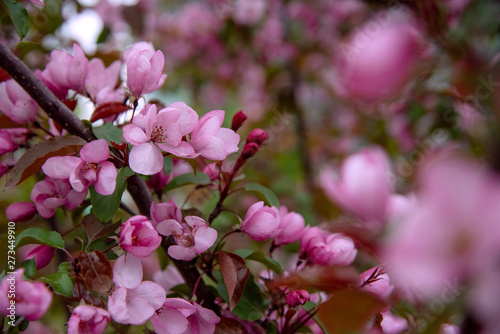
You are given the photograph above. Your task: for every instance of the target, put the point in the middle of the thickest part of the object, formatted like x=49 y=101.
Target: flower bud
x=297 y=297
x=42 y=255
x=257 y=136
x=20 y=211
x=238 y=120
x=260 y=221
x=249 y=150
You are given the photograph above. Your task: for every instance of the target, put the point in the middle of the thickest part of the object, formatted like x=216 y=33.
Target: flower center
x=158 y=134
x=186 y=240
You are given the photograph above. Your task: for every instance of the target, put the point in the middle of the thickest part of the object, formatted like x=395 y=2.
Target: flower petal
x=146 y=159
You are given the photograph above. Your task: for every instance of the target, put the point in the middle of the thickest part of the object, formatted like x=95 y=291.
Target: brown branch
x=56 y=110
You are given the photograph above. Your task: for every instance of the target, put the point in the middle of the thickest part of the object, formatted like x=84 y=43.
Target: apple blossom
x=165 y=211
x=260 y=221
x=87 y=319
x=376 y=282
x=16 y=104
x=139 y=237
x=41 y=253
x=290 y=227
x=99 y=77
x=295 y=298
x=329 y=249
x=6 y=142
x=20 y=211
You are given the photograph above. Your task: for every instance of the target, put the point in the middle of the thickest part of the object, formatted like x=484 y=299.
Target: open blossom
x=65 y=72
x=363 y=186
x=290 y=228
x=32 y=298
x=87 y=319
x=133 y=301
x=165 y=211
x=178 y=316
x=16 y=104
x=159 y=131
x=50 y=194
x=191 y=239
x=92 y=168
x=144 y=69
x=210 y=140
x=260 y=221
x=329 y=249
x=139 y=237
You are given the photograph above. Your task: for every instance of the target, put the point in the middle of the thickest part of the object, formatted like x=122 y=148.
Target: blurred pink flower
x=100 y=78
x=16 y=104
x=290 y=228
x=32 y=299
x=50 y=194
x=261 y=221
x=297 y=297
x=374 y=280
x=87 y=319
x=191 y=239
x=139 y=237
x=328 y=249
x=7 y=143
x=144 y=69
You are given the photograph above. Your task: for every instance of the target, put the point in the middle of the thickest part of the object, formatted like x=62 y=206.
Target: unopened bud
x=257 y=136
x=238 y=120
x=20 y=211
x=249 y=150
x=297 y=297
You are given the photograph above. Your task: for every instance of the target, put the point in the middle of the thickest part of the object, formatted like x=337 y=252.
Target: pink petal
x=146 y=159
x=127 y=271
x=183 y=150
x=60 y=167
x=253 y=209
x=74 y=199
x=181 y=253
x=106 y=178
x=230 y=138
x=169 y=227
x=204 y=238
x=194 y=221
x=95 y=151
x=134 y=135
x=169 y=321
x=150 y=291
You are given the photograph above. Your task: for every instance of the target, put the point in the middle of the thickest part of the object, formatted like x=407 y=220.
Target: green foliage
x=29 y=268
x=265 y=193
x=185 y=179
x=60 y=283
x=19 y=16
x=37 y=235
x=259 y=256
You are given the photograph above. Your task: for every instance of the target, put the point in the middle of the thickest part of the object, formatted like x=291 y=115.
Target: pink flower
x=377 y=282
x=99 y=77
x=50 y=194
x=290 y=228
x=210 y=140
x=87 y=319
x=139 y=237
x=192 y=238
x=144 y=69
x=65 y=72
x=133 y=301
x=212 y=171
x=328 y=249
x=20 y=211
x=177 y=316
x=165 y=211
x=41 y=253
x=32 y=299
x=260 y=221
x=392 y=324
x=16 y=104
x=7 y=144
x=297 y=297
x=92 y=168
x=163 y=130
x=363 y=186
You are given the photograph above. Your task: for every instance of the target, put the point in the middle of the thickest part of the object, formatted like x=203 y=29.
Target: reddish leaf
x=237 y=326
x=4 y=76
x=32 y=161
x=95 y=271
x=70 y=103
x=235 y=275
x=96 y=229
x=348 y=311
x=108 y=109
x=6 y=123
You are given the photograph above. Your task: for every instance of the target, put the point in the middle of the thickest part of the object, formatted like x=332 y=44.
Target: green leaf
x=37 y=235
x=60 y=283
x=29 y=268
x=65 y=268
x=19 y=16
x=109 y=132
x=265 y=193
x=105 y=207
x=185 y=179
x=259 y=256
x=168 y=163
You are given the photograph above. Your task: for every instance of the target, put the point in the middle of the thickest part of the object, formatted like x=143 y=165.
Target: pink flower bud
x=42 y=255
x=16 y=104
x=290 y=229
x=238 y=120
x=328 y=249
x=377 y=282
x=88 y=319
x=260 y=221
x=32 y=298
x=164 y=211
x=139 y=237
x=297 y=297
x=20 y=211
x=363 y=186
x=249 y=150
x=257 y=136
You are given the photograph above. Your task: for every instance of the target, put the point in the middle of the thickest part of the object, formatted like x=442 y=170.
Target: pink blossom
x=260 y=221
x=329 y=249
x=87 y=319
x=100 y=78
x=20 y=211
x=7 y=144
x=32 y=299
x=191 y=239
x=165 y=211
x=144 y=69
x=297 y=297
x=139 y=237
x=212 y=171
x=41 y=253
x=177 y=316
x=210 y=140
x=50 y=194
x=377 y=282
x=92 y=168
x=16 y=104
x=65 y=72
x=163 y=130
x=392 y=324
x=363 y=187
x=290 y=228
x=168 y=278
x=133 y=301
